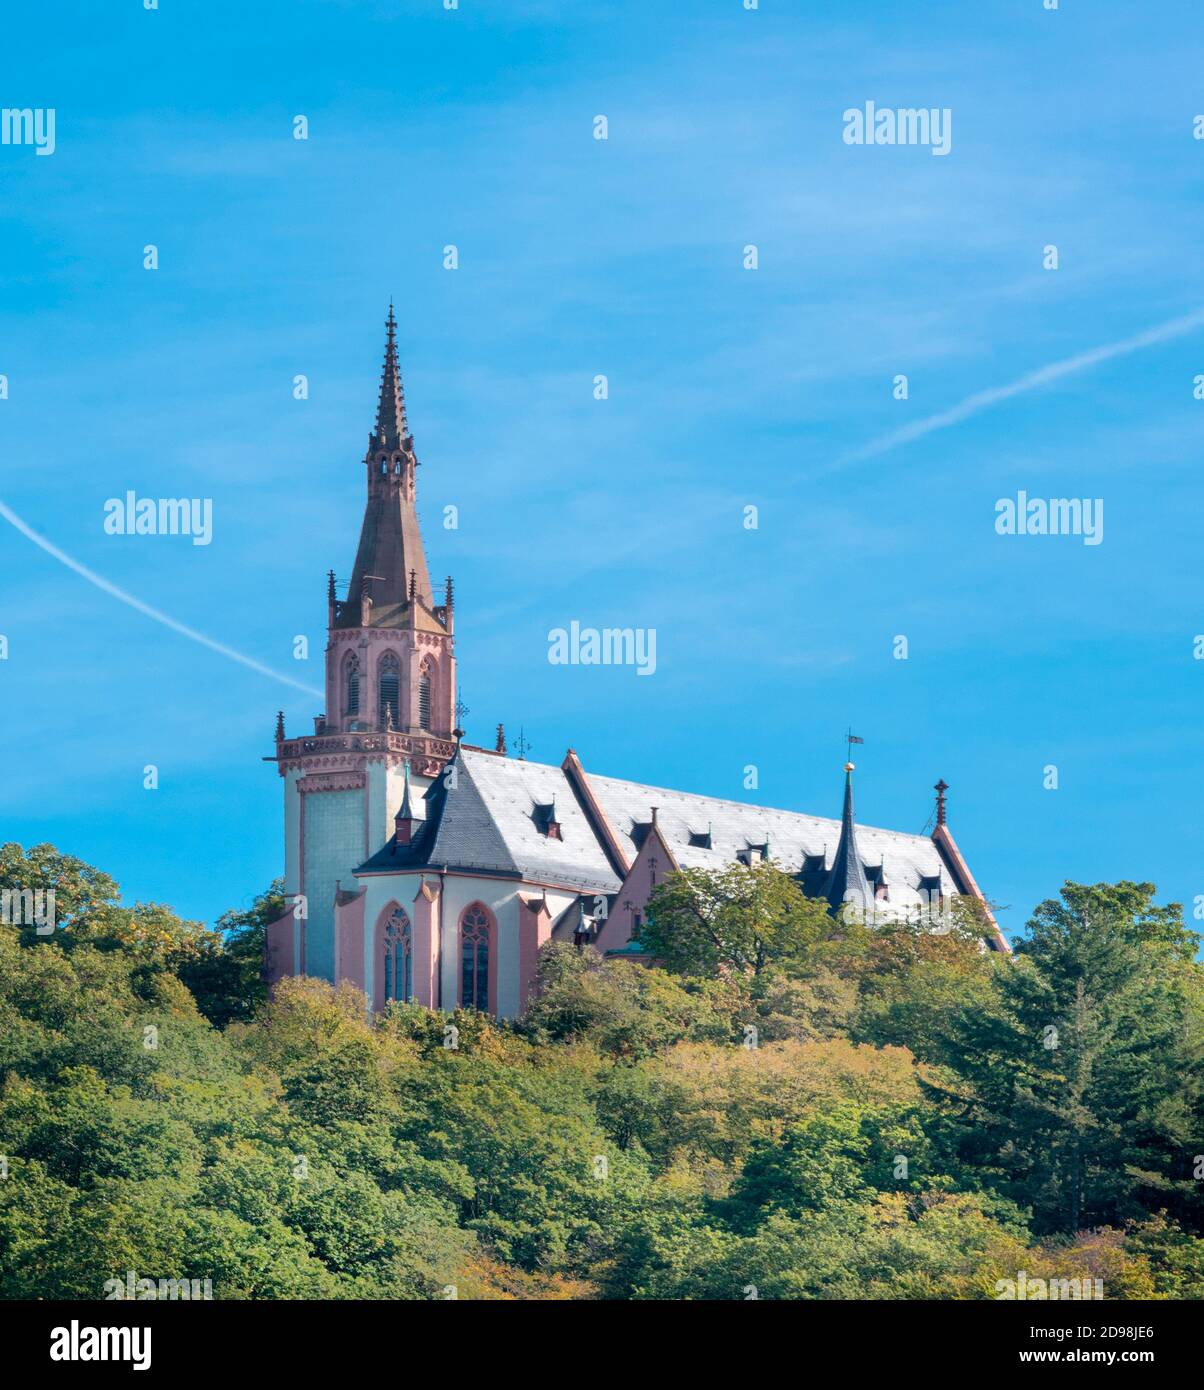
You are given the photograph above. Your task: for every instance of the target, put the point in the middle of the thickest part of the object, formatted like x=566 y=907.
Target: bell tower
x=390 y=657
x=390 y=692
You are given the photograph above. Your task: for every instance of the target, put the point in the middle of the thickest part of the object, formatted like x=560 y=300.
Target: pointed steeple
x=390 y=564
x=404 y=809
x=392 y=430
x=403 y=821
x=847 y=883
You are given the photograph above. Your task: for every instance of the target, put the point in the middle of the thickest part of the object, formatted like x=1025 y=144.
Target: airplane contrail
x=136 y=603
x=980 y=400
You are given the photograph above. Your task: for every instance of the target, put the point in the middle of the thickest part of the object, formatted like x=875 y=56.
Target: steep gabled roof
x=485 y=820
x=481 y=816
x=796 y=840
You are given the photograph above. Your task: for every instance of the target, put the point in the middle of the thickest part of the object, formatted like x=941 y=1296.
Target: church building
x=420 y=867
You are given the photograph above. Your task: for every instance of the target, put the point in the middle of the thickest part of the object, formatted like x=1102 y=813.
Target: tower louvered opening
x=424 y=699
x=390 y=692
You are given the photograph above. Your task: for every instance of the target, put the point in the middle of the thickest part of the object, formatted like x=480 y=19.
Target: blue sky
x=728 y=387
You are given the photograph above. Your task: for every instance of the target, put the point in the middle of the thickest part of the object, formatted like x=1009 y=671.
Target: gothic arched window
x=424 y=696
x=475 y=932
x=398 y=961
x=390 y=684
x=352 y=673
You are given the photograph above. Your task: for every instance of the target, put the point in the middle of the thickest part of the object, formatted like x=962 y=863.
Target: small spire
x=404 y=811
x=279 y=725
x=847 y=883
x=940 y=788
x=330 y=594
x=392 y=429
x=403 y=821
x=500 y=746
x=413 y=585
x=449 y=601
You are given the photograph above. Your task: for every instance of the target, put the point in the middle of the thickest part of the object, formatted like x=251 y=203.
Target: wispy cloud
x=136 y=603
x=1043 y=376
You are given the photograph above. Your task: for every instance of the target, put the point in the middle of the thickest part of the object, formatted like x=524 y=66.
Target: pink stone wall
x=534 y=928
x=424 y=918
x=636 y=890
x=349 y=941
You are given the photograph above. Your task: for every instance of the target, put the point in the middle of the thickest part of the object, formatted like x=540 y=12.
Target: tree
x=227 y=980
x=742 y=920
x=1078 y=1090
x=624 y=1008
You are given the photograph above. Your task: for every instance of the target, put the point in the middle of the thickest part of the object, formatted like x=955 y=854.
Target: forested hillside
x=793 y=1107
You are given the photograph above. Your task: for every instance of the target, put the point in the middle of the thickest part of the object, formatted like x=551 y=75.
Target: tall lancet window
x=351 y=670
x=390 y=685
x=474 y=958
x=424 y=695
x=398 y=959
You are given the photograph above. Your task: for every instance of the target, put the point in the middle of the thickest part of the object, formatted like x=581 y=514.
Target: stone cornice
x=317 y=753
x=332 y=782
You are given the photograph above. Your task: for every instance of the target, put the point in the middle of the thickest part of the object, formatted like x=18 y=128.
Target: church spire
x=392 y=430
x=390 y=564
x=847 y=883
x=391 y=664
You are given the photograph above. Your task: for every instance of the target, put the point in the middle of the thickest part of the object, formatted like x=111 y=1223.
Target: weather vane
x=521 y=746
x=850 y=739
x=461 y=710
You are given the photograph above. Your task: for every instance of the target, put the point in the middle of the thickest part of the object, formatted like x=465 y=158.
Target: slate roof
x=489 y=823
x=792 y=836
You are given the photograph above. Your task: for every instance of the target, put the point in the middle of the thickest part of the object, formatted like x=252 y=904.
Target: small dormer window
x=546 y=820
x=701 y=839
x=639 y=832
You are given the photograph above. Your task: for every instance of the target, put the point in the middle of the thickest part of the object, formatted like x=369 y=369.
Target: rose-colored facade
x=420 y=867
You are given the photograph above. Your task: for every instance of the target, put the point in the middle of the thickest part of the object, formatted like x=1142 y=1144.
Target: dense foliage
x=794 y=1107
